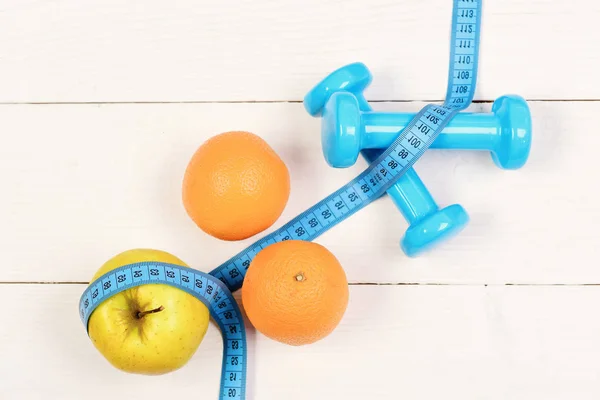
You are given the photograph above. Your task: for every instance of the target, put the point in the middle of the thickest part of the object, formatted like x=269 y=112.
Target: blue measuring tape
x=392 y=163
x=206 y=288
x=214 y=289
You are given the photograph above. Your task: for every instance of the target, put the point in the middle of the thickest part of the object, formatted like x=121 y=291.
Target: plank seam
x=350 y=283
x=484 y=101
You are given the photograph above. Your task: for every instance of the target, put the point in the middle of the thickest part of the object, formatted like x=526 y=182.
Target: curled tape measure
x=206 y=288
x=214 y=289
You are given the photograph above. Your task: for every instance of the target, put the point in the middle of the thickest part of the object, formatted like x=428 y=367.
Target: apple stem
x=141 y=314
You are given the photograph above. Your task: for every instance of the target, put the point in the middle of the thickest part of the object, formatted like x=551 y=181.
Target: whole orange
x=295 y=292
x=235 y=186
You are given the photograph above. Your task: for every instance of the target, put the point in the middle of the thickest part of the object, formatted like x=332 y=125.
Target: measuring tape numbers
x=392 y=162
x=215 y=289
x=206 y=288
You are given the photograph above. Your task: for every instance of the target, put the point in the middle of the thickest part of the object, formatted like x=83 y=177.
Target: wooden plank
x=394 y=342
x=107 y=51
x=84 y=182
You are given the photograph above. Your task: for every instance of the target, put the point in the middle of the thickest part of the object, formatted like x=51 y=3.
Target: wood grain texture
x=413 y=342
x=240 y=50
x=84 y=182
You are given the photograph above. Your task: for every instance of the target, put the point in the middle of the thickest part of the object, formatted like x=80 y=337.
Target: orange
x=235 y=186
x=295 y=292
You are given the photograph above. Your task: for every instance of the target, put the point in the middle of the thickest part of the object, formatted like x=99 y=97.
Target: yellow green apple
x=150 y=329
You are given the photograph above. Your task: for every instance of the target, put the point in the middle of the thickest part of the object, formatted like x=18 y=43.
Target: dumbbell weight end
x=428 y=225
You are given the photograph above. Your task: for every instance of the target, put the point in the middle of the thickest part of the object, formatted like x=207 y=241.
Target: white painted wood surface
x=189 y=50
x=88 y=181
x=414 y=342
x=81 y=182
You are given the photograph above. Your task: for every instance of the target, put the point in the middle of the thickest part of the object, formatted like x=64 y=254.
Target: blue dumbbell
x=505 y=132
x=428 y=224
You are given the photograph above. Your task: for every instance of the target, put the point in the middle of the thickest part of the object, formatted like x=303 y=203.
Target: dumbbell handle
x=466 y=131
x=410 y=198
x=409 y=194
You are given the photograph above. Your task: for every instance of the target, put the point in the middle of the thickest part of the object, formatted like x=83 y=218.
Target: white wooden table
x=104 y=101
